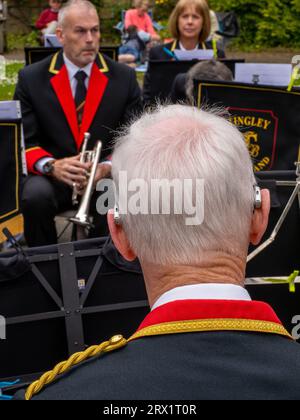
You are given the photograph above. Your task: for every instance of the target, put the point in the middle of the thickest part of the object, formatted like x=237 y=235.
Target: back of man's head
x=189 y=146
x=206 y=70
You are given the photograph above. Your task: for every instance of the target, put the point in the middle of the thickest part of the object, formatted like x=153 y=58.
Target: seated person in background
x=183 y=85
x=204 y=339
x=214 y=26
x=139 y=17
x=189 y=25
x=135 y=44
x=47 y=22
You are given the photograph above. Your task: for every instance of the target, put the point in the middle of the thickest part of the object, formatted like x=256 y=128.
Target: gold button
x=116 y=339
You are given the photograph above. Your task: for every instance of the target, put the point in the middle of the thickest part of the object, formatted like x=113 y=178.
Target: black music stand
x=59 y=299
x=161 y=75
x=279 y=251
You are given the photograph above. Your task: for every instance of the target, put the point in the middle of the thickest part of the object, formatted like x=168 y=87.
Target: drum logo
x=260 y=129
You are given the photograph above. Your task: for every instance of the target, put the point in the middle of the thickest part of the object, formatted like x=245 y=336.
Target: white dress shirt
x=203 y=292
x=73 y=69
x=184 y=49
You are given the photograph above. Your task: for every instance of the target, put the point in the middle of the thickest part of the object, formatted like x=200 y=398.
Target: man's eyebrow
x=86 y=29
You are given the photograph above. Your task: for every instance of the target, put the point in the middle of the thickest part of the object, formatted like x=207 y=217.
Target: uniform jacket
x=193 y=350
x=48 y=108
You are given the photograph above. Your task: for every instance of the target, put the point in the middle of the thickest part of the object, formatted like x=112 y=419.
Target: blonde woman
x=190 y=27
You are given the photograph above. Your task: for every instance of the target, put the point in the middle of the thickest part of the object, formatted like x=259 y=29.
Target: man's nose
x=89 y=36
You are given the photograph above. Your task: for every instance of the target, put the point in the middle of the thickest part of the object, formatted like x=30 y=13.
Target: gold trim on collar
x=174 y=45
x=204 y=46
x=208 y=325
x=104 y=68
x=53 y=64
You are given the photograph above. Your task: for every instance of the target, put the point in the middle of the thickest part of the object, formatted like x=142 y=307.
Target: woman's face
x=55 y=5
x=190 y=23
x=143 y=8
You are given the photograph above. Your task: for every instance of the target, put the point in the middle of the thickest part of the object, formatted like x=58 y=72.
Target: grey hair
x=70 y=5
x=185 y=143
x=206 y=70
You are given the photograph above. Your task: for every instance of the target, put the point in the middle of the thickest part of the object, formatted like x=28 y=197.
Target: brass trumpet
x=84 y=157
x=82 y=216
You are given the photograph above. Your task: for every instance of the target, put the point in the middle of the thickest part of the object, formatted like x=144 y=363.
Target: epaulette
x=115 y=343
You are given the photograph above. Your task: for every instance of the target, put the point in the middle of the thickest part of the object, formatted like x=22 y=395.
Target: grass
x=7 y=86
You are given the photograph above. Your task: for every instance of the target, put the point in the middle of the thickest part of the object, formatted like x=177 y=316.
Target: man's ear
x=119 y=238
x=260 y=218
x=59 y=34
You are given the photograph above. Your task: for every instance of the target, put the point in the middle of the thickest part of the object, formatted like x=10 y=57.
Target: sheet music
x=10 y=110
x=263 y=74
x=194 y=55
x=50 y=40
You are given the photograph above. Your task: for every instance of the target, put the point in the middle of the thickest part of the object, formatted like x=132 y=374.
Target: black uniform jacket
x=192 y=350
x=48 y=107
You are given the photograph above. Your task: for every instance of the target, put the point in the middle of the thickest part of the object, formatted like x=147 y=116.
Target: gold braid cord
x=114 y=343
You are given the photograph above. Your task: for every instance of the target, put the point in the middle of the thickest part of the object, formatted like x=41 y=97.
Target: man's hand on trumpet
x=72 y=172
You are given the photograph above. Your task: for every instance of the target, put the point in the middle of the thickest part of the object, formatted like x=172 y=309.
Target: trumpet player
x=62 y=97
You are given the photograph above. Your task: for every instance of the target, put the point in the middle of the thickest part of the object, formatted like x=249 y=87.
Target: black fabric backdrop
x=268 y=117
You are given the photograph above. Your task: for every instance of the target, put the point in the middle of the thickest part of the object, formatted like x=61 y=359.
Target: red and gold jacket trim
x=97 y=86
x=33 y=155
x=211 y=315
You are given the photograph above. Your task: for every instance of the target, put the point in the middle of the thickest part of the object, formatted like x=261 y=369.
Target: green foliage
x=19 y=41
x=7 y=86
x=265 y=23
